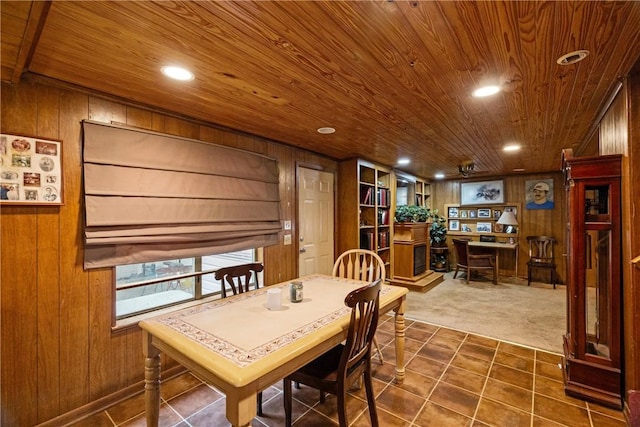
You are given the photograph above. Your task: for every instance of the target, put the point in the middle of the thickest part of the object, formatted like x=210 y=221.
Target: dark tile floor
x=452 y=379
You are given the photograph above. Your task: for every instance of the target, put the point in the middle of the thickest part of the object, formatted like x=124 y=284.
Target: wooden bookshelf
x=365 y=215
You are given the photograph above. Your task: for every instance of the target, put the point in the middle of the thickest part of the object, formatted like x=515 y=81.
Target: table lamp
x=509 y=219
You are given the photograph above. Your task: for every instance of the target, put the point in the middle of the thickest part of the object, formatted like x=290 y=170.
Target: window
x=149 y=286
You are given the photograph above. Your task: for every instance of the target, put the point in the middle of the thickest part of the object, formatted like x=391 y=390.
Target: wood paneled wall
x=58 y=351
x=530 y=222
x=620 y=134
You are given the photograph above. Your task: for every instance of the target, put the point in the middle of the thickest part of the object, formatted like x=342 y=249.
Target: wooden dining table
x=242 y=347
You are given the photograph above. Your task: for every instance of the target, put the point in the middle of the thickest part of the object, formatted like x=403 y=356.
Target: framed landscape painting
x=482 y=192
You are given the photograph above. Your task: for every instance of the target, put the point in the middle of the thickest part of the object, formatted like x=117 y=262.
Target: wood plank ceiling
x=394 y=78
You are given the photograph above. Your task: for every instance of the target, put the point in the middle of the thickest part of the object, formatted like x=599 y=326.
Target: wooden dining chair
x=541 y=256
x=336 y=370
x=361 y=264
x=239 y=279
x=469 y=261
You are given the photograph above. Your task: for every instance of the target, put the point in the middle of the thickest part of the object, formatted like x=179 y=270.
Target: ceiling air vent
x=573 y=57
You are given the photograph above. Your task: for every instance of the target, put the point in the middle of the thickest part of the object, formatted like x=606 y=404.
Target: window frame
x=120 y=323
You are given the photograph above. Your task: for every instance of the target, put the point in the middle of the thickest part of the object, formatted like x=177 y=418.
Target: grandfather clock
x=592 y=345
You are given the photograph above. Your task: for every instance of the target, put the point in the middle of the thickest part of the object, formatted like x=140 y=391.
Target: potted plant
x=411 y=223
x=411 y=213
x=438 y=230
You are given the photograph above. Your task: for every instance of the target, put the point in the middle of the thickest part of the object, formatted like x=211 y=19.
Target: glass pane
x=596 y=200
x=143 y=298
x=213 y=262
x=142 y=287
x=598 y=244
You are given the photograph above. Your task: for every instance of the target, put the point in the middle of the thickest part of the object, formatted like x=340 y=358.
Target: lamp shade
x=507 y=218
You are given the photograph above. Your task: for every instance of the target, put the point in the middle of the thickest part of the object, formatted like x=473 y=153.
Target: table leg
x=151 y=381
x=240 y=410
x=400 y=329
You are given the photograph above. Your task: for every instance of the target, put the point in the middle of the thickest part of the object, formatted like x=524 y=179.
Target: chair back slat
x=461 y=246
x=364 y=303
x=359 y=264
x=238 y=277
x=541 y=248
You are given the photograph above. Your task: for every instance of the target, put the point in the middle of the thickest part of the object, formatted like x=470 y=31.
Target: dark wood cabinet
x=592 y=345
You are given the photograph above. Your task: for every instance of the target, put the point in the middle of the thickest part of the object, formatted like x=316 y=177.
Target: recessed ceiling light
x=404 y=161
x=511 y=147
x=486 y=91
x=572 y=57
x=177 y=73
x=326 y=130
x=518 y=170
x=438 y=175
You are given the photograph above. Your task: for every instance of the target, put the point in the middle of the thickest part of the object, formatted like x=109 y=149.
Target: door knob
x=302 y=250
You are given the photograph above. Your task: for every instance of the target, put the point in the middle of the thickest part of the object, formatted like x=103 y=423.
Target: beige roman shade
x=152 y=197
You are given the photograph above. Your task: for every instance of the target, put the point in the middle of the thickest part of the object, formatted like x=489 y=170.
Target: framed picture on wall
x=454 y=225
x=484 y=213
x=482 y=192
x=452 y=212
x=539 y=194
x=30 y=170
x=483 y=227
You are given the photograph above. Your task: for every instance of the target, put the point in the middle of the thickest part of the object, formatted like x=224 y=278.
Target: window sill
x=132 y=322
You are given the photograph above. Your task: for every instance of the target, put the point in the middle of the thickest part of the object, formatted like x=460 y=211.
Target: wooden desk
x=241 y=347
x=497 y=246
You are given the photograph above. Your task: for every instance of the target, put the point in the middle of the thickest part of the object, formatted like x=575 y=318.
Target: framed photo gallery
x=30 y=170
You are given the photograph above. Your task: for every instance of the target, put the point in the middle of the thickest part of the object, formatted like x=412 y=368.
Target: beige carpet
x=533 y=316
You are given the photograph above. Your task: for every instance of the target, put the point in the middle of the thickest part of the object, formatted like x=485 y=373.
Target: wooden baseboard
x=105 y=402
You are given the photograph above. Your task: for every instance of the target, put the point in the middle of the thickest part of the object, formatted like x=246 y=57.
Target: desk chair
x=238 y=277
x=470 y=261
x=541 y=256
x=337 y=369
x=361 y=264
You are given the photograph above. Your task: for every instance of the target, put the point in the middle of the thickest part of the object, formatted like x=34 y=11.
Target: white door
x=315 y=222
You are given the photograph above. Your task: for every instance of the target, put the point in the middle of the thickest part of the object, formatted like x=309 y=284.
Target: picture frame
x=472 y=213
x=498 y=228
x=510 y=229
x=454 y=225
x=463 y=213
x=466 y=228
x=484 y=213
x=539 y=194
x=30 y=170
x=452 y=212
x=482 y=192
x=497 y=213
x=483 y=227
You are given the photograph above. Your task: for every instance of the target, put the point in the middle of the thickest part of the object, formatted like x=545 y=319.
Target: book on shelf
x=383 y=239
x=383 y=196
x=366 y=196
x=383 y=217
x=366 y=240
